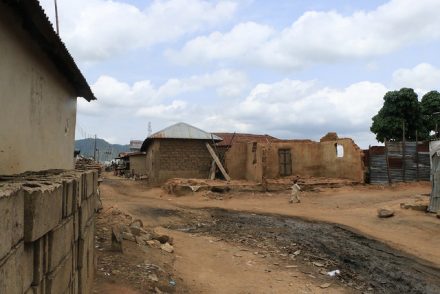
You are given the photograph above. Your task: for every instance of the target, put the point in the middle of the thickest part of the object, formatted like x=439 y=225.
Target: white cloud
x=317 y=37
x=288 y=108
x=172 y=111
x=422 y=78
x=98 y=29
x=125 y=98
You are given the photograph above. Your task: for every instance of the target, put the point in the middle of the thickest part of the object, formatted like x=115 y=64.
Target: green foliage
x=430 y=108
x=400 y=108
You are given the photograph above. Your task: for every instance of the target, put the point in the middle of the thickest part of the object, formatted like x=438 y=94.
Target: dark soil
x=366 y=265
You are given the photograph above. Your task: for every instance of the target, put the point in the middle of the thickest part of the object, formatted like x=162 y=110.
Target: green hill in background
x=106 y=151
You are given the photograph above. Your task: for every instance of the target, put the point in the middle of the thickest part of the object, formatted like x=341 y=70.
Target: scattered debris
x=153 y=277
x=385 y=213
x=333 y=273
x=167 y=247
x=325 y=285
x=117 y=237
x=415 y=206
x=318 y=264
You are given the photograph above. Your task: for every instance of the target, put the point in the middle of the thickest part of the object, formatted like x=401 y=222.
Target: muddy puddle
x=365 y=265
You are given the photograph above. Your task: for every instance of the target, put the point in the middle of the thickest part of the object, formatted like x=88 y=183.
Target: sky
x=293 y=69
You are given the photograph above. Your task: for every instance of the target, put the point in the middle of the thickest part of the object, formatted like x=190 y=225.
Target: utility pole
x=56 y=17
x=150 y=130
x=94 y=150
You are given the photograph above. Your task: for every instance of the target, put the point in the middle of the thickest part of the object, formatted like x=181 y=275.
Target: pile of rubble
x=134 y=255
x=135 y=232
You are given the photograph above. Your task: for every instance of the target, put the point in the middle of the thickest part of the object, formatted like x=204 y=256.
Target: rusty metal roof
x=31 y=17
x=184 y=131
x=230 y=138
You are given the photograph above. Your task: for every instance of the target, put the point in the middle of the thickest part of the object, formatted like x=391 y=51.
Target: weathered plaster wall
x=254 y=161
x=37 y=107
x=138 y=164
x=308 y=158
x=235 y=161
x=47 y=228
x=318 y=159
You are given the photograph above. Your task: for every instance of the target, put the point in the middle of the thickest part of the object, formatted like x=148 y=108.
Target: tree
x=430 y=108
x=400 y=108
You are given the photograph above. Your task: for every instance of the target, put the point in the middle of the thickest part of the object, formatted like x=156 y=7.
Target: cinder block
x=11 y=271
x=79 y=190
x=11 y=217
x=41 y=259
x=28 y=265
x=75 y=257
x=86 y=213
x=60 y=242
x=90 y=183
x=76 y=225
x=58 y=281
x=83 y=247
x=42 y=210
x=75 y=283
x=68 y=197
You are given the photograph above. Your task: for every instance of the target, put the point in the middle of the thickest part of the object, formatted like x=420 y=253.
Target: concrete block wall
x=47 y=228
x=176 y=155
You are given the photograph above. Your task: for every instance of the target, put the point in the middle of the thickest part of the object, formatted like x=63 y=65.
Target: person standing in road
x=295 y=192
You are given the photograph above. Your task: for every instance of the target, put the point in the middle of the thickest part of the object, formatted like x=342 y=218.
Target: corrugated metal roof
x=230 y=138
x=184 y=131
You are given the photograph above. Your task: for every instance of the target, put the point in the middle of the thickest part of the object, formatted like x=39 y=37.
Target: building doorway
x=285 y=160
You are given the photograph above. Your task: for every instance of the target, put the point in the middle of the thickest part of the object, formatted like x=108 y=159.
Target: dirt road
x=224 y=251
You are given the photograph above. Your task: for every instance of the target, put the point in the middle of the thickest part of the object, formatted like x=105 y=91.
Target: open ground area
x=255 y=242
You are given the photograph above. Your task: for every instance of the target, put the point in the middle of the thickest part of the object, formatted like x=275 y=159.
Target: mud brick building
x=332 y=157
x=47 y=215
x=178 y=151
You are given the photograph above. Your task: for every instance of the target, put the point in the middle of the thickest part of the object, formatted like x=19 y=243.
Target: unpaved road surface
x=364 y=263
x=251 y=245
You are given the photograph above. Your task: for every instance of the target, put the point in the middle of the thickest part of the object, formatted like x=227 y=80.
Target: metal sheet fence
x=398 y=162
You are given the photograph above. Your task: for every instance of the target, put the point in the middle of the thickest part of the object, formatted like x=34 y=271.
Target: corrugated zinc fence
x=399 y=162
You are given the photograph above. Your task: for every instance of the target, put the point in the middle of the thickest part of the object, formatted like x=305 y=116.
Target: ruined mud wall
x=318 y=159
x=254 y=161
x=235 y=161
x=308 y=158
x=47 y=229
x=38 y=106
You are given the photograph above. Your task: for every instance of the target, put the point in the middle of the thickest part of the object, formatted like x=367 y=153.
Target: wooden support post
x=217 y=161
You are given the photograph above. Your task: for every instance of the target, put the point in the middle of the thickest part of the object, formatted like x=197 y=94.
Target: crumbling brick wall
x=47 y=227
x=182 y=158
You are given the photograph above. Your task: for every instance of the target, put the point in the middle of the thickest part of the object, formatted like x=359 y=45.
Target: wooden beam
x=217 y=161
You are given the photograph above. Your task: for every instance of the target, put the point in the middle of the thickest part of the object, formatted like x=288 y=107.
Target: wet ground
x=316 y=248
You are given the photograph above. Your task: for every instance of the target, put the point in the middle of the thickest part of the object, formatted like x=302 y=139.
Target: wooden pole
x=56 y=18
x=217 y=161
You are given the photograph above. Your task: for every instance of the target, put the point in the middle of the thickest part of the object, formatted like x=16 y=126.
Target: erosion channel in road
x=365 y=264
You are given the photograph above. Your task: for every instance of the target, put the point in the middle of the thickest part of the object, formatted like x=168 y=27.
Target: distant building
x=178 y=151
x=135 y=145
x=39 y=84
